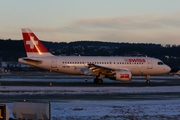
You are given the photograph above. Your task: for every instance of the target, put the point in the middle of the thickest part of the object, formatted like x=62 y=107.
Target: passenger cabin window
x=160 y=63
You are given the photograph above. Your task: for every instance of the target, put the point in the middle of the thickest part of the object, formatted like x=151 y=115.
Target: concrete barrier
x=4 y=112
x=27 y=110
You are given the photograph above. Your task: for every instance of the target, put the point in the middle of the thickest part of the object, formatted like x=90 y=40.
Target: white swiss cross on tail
x=33 y=45
x=32 y=42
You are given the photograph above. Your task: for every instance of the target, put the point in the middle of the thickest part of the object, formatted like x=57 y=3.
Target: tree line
x=11 y=50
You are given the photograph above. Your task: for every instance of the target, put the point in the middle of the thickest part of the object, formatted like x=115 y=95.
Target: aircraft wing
x=104 y=70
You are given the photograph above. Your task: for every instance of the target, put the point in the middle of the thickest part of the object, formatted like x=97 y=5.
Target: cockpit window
x=160 y=63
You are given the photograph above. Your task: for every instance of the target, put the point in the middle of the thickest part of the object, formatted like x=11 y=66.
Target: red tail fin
x=33 y=45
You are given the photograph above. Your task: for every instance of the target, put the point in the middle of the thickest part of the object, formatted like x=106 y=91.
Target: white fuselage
x=79 y=64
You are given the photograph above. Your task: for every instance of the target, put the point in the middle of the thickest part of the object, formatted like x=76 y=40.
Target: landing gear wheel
x=98 y=81
x=148 y=82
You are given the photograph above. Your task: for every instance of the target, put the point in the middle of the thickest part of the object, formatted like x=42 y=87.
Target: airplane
x=117 y=68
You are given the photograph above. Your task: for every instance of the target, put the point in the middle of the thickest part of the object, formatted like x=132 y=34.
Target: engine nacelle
x=121 y=76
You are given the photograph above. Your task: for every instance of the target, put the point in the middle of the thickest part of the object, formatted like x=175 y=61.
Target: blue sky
x=134 y=21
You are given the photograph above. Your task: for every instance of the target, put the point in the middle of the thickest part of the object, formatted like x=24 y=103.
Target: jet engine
x=121 y=76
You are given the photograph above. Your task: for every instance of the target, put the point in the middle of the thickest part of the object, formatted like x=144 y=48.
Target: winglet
x=33 y=45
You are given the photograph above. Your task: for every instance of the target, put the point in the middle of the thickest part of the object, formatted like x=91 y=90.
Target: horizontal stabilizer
x=32 y=60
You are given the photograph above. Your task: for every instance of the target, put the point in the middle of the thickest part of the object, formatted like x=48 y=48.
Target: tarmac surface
x=63 y=81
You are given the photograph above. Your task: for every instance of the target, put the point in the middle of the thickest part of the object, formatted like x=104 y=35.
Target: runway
x=54 y=87
x=44 y=79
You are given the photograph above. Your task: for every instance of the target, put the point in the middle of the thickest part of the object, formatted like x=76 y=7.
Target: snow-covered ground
x=104 y=109
x=116 y=110
x=108 y=110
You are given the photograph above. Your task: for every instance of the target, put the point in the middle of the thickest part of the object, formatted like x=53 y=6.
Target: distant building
x=16 y=66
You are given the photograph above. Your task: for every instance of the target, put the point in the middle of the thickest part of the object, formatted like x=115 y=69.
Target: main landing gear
x=148 y=79
x=98 y=79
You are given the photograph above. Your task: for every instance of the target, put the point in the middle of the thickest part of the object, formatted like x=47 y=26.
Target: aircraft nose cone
x=168 y=69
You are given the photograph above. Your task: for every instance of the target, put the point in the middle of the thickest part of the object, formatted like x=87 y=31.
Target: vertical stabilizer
x=33 y=45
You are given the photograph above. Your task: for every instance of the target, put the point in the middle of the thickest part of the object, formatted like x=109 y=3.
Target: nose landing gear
x=147 y=79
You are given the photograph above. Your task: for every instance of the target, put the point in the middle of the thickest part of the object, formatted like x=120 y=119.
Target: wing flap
x=101 y=69
x=104 y=70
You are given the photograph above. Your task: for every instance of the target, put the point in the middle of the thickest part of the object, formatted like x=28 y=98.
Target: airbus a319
x=115 y=68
